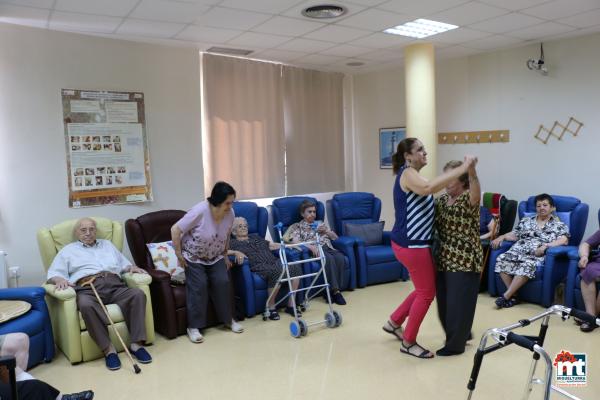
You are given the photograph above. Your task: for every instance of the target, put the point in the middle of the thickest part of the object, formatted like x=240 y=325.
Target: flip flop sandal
x=406 y=350
x=397 y=332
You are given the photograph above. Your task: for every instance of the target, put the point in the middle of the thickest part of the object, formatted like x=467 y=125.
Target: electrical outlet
x=14 y=272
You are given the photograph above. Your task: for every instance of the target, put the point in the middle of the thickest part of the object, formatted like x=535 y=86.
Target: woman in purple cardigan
x=590 y=274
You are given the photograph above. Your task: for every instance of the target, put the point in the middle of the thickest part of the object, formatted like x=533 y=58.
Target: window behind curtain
x=243 y=141
x=263 y=120
x=314 y=124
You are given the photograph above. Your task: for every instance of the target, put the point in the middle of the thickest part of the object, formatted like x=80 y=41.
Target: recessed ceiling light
x=355 y=64
x=420 y=28
x=324 y=11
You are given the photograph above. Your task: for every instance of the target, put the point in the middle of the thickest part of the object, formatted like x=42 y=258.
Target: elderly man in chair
x=90 y=258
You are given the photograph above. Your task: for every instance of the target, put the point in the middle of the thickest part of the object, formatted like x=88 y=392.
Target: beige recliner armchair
x=70 y=333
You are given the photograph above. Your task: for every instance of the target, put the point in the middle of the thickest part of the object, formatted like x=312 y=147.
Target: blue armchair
x=248 y=285
x=573 y=297
x=375 y=263
x=35 y=323
x=548 y=275
x=286 y=211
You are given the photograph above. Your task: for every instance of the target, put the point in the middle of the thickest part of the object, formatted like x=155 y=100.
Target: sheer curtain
x=314 y=136
x=243 y=141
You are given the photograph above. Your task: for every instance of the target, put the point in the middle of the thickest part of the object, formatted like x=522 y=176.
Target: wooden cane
x=90 y=282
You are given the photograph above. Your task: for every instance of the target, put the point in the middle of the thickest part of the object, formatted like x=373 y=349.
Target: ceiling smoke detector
x=324 y=11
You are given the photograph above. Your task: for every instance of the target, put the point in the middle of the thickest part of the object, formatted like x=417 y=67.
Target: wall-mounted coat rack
x=474 y=137
x=558 y=130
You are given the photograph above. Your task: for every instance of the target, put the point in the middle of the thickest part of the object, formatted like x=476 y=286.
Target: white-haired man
x=98 y=259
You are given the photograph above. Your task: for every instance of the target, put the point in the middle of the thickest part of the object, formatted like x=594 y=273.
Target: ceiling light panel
x=420 y=28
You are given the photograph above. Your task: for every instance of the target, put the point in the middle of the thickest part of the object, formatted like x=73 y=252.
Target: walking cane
x=90 y=282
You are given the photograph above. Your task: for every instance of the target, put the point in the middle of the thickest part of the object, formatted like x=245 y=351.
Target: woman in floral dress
x=533 y=236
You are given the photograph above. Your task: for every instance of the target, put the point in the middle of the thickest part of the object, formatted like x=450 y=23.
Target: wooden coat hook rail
x=474 y=137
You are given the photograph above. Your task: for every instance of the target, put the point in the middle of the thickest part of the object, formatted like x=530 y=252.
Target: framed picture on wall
x=388 y=141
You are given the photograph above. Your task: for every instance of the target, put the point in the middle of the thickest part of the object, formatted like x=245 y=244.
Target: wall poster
x=107 y=148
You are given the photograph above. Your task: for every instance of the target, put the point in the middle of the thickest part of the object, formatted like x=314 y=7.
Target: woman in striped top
x=411 y=238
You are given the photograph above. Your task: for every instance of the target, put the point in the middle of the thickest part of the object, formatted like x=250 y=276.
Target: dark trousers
x=335 y=265
x=456 y=300
x=31 y=389
x=202 y=281
x=112 y=290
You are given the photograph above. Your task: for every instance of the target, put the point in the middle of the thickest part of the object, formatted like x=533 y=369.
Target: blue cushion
x=379 y=254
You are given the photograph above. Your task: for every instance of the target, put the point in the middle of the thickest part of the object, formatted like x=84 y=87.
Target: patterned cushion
x=163 y=255
x=10 y=309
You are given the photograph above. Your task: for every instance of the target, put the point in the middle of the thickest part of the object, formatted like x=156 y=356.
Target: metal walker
x=299 y=327
x=504 y=337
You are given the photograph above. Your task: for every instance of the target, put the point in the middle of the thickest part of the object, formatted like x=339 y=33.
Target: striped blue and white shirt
x=414 y=217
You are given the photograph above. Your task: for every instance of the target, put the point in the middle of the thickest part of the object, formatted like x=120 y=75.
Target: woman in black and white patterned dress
x=262 y=262
x=533 y=236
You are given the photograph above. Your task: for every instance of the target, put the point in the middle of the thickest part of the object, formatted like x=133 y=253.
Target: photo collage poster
x=107 y=148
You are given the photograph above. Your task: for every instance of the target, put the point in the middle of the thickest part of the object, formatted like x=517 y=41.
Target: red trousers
x=419 y=263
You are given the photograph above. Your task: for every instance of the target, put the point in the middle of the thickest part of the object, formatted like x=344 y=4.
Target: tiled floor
x=355 y=361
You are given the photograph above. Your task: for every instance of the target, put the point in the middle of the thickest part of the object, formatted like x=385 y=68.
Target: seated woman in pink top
x=201 y=241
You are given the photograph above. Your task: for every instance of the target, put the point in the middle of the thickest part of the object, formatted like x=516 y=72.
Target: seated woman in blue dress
x=262 y=262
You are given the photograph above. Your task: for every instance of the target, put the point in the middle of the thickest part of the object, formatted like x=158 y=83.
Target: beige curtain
x=243 y=141
x=314 y=123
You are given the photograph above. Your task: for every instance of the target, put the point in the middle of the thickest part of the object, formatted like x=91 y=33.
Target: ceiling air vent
x=324 y=11
x=231 y=52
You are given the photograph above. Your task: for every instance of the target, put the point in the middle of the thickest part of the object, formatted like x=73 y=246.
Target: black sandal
x=424 y=354
x=389 y=328
x=274 y=315
x=587 y=327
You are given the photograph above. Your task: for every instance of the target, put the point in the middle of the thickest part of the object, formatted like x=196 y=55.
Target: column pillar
x=419 y=82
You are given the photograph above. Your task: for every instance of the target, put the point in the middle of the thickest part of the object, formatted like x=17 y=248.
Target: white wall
x=496 y=91
x=34 y=66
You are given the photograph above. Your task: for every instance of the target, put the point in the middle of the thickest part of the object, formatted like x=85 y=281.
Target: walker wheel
x=330 y=320
x=295 y=329
x=303 y=327
x=338 y=318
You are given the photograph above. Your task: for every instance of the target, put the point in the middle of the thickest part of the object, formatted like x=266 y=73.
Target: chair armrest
x=573 y=254
x=560 y=251
x=137 y=279
x=30 y=294
x=159 y=276
x=65 y=294
x=494 y=253
x=243 y=285
x=346 y=241
x=345 y=244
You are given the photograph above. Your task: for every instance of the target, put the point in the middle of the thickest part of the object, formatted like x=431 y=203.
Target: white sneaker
x=236 y=327
x=195 y=335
